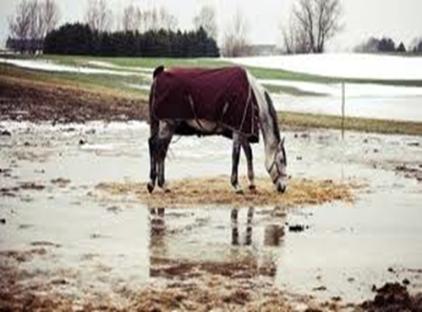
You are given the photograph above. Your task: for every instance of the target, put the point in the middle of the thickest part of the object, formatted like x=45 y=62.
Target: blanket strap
x=192 y=105
x=247 y=104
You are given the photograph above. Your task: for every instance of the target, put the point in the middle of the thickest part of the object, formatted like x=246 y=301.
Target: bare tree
x=312 y=24
x=206 y=19
x=19 y=24
x=329 y=14
x=132 y=18
x=155 y=19
x=295 y=38
x=36 y=25
x=98 y=16
x=235 y=41
x=50 y=14
x=167 y=20
x=31 y=22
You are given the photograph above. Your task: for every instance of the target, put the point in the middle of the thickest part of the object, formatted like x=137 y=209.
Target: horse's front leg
x=249 y=159
x=235 y=164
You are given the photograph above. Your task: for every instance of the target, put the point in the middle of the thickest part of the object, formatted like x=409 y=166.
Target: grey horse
x=162 y=131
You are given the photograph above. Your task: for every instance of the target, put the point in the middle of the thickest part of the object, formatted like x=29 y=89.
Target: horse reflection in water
x=235 y=227
x=272 y=236
x=257 y=231
x=238 y=247
x=157 y=221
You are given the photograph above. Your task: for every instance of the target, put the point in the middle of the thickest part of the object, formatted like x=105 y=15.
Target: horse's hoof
x=252 y=188
x=239 y=191
x=150 y=187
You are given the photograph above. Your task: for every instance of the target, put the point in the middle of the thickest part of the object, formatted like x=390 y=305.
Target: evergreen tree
x=81 y=39
x=401 y=48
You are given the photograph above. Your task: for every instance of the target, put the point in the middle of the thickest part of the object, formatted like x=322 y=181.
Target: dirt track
x=25 y=100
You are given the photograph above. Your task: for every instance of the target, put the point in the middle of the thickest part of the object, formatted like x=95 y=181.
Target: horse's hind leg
x=153 y=149
x=153 y=167
x=235 y=163
x=165 y=135
x=163 y=147
x=249 y=159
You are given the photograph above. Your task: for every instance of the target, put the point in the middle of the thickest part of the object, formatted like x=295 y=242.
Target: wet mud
x=81 y=233
x=393 y=297
x=25 y=100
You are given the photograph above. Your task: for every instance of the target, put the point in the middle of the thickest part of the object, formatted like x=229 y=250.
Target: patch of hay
x=218 y=191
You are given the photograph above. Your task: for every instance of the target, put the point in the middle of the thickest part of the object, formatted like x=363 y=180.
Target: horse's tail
x=152 y=118
x=157 y=71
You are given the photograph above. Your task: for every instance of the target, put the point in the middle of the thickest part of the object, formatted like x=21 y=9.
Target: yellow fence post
x=343 y=107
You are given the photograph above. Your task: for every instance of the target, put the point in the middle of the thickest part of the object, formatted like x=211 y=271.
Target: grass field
x=109 y=83
x=121 y=86
x=260 y=73
x=305 y=121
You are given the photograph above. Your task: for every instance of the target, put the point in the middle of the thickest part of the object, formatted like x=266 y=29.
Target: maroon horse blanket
x=222 y=95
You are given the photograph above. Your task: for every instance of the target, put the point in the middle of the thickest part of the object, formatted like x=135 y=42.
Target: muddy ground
x=28 y=100
x=63 y=247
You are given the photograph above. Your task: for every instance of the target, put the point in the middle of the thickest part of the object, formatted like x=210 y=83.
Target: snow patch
x=46 y=65
x=342 y=65
x=147 y=70
x=352 y=89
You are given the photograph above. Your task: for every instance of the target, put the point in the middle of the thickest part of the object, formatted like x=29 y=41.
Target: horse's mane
x=273 y=115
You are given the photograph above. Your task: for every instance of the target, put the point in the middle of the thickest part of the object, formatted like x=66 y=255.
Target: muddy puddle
x=58 y=237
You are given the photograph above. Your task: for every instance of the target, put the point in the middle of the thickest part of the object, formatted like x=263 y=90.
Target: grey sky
x=400 y=19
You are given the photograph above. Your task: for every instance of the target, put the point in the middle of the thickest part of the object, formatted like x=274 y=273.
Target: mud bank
x=217 y=191
x=393 y=297
x=28 y=100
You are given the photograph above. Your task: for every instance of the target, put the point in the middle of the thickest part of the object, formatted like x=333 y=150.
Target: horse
x=162 y=131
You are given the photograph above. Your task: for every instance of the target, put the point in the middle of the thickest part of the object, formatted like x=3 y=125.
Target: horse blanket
x=222 y=95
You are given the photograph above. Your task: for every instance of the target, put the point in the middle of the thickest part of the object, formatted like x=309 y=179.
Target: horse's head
x=277 y=168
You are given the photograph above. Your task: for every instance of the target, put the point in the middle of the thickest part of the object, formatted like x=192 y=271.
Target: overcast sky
x=400 y=19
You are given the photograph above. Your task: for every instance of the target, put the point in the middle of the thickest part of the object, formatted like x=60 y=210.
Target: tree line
x=81 y=39
x=387 y=45
x=138 y=32
x=154 y=30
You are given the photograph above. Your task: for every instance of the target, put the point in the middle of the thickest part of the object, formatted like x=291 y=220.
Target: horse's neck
x=266 y=122
x=267 y=129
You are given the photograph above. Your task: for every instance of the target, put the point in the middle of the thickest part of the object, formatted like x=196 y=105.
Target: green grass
x=301 y=120
x=145 y=62
x=291 y=90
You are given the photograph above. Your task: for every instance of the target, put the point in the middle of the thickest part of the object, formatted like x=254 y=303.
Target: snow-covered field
x=114 y=66
x=352 y=89
x=50 y=66
x=358 y=66
x=370 y=100
x=390 y=108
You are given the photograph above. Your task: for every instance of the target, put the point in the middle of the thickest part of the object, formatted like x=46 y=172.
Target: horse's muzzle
x=281 y=187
